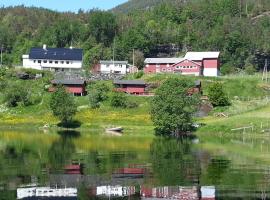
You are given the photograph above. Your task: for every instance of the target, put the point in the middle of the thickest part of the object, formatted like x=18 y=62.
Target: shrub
x=94 y=99
x=98 y=92
x=138 y=75
x=217 y=95
x=228 y=69
x=250 y=70
x=17 y=94
x=118 y=100
x=131 y=104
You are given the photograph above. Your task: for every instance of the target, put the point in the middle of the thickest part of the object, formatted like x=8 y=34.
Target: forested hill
x=132 y=5
x=238 y=28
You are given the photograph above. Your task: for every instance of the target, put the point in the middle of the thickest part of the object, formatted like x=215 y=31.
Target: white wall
x=212 y=72
x=110 y=68
x=50 y=64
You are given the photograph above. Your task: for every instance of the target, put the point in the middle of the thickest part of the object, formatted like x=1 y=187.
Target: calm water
x=94 y=166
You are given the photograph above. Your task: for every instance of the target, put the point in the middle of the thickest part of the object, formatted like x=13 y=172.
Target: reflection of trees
x=173 y=162
x=62 y=149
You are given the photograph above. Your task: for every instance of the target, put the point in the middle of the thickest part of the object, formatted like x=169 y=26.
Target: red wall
x=132 y=89
x=196 y=67
x=211 y=63
x=75 y=89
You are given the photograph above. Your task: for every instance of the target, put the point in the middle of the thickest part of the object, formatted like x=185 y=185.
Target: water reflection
x=162 y=169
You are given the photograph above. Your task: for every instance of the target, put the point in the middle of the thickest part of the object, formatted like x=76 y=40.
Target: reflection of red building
x=74 y=86
x=130 y=86
x=171 y=192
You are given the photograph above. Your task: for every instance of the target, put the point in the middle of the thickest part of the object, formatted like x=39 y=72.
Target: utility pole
x=133 y=58
x=265 y=71
x=1 y=55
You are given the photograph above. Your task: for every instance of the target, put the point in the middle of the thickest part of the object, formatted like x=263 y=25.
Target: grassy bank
x=247 y=94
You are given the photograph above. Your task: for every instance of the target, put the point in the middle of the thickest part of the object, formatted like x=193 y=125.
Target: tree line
x=238 y=28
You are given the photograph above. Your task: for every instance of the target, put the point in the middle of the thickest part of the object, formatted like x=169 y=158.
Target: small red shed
x=74 y=86
x=130 y=86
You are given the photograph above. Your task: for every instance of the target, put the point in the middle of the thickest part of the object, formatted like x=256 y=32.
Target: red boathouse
x=130 y=86
x=74 y=86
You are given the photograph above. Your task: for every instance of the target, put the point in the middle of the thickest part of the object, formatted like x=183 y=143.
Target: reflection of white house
x=117 y=191
x=45 y=192
x=54 y=59
x=115 y=67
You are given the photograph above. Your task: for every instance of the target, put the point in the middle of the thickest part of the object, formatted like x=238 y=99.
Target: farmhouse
x=111 y=67
x=157 y=65
x=54 y=59
x=74 y=86
x=194 y=63
x=130 y=86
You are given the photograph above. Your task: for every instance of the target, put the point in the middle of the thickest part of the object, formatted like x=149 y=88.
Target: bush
x=131 y=104
x=98 y=92
x=94 y=99
x=217 y=95
x=138 y=75
x=16 y=94
x=119 y=100
x=228 y=69
x=250 y=70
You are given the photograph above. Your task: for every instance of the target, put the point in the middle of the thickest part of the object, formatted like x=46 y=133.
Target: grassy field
x=247 y=93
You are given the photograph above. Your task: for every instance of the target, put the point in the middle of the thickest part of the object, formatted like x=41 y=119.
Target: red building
x=74 y=86
x=194 y=63
x=158 y=65
x=130 y=86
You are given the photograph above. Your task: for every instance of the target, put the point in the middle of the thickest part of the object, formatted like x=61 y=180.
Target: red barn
x=130 y=86
x=194 y=63
x=74 y=86
x=157 y=65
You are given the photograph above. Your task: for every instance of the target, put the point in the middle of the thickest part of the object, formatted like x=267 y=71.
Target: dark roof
x=68 y=81
x=129 y=82
x=56 y=54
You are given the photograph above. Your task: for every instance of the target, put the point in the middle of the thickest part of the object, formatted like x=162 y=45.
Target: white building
x=54 y=59
x=113 y=67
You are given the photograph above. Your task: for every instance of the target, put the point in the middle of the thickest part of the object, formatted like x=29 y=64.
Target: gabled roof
x=56 y=54
x=188 y=61
x=163 y=60
x=201 y=55
x=68 y=81
x=108 y=62
x=129 y=82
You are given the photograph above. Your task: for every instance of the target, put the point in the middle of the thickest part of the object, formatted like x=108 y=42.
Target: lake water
x=73 y=165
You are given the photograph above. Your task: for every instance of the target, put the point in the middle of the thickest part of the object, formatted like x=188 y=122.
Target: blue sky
x=65 y=5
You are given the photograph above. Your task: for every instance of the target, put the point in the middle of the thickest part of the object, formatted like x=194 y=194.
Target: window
x=67 y=62
x=50 y=61
x=169 y=69
x=34 y=61
x=120 y=66
x=177 y=67
x=56 y=62
x=164 y=70
x=39 y=61
x=45 y=61
x=62 y=62
x=107 y=66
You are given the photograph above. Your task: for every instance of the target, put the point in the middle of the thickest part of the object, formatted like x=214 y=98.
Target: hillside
x=142 y=5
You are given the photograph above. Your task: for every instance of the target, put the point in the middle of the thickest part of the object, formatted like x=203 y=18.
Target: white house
x=114 y=67
x=54 y=59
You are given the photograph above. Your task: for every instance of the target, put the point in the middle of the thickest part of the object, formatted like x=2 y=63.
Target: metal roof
x=201 y=55
x=56 y=54
x=129 y=82
x=163 y=60
x=113 y=62
x=68 y=81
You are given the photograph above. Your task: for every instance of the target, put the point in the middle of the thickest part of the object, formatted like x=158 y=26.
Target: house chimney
x=44 y=46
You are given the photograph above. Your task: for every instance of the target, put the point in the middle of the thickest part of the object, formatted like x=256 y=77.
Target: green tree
x=172 y=108
x=217 y=95
x=63 y=105
x=98 y=92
